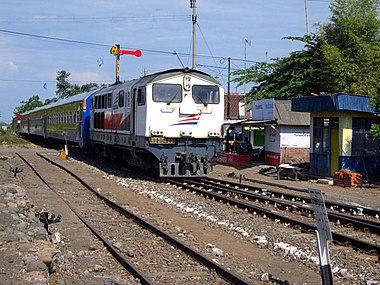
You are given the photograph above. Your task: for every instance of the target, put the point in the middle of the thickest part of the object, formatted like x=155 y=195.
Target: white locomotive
x=168 y=121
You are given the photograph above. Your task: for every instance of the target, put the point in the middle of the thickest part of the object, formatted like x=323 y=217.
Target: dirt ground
x=243 y=252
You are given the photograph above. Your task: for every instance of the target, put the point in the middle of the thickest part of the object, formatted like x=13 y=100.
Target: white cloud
x=12 y=66
x=87 y=77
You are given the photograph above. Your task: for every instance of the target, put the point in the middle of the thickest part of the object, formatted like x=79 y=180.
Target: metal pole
x=245 y=64
x=323 y=234
x=118 y=65
x=228 y=89
x=307 y=18
x=193 y=4
x=246 y=42
x=324 y=260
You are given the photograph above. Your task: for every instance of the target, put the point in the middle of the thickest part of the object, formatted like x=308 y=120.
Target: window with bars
x=363 y=142
x=322 y=134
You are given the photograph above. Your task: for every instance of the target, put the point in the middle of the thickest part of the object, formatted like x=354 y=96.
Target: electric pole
x=193 y=5
x=246 y=42
x=307 y=18
x=228 y=90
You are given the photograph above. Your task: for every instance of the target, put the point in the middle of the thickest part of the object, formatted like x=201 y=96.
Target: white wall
x=295 y=137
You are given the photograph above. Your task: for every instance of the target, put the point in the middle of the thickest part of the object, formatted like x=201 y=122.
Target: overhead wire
x=93 y=19
x=76 y=42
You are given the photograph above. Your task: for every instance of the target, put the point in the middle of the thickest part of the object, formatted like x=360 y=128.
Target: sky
x=38 y=38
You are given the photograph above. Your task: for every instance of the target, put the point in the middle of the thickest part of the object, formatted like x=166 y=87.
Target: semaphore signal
x=116 y=51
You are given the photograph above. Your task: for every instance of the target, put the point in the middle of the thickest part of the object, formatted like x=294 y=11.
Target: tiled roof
x=235 y=98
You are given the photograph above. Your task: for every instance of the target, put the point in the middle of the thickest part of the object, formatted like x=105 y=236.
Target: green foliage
x=10 y=139
x=351 y=49
x=342 y=56
x=285 y=77
x=375 y=131
x=65 y=89
x=31 y=104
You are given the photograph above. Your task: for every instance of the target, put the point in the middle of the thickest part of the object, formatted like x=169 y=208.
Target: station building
x=340 y=134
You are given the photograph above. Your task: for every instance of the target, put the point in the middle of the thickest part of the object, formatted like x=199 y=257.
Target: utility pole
x=246 y=42
x=228 y=90
x=307 y=18
x=193 y=5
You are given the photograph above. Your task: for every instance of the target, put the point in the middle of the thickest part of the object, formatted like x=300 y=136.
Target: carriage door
x=133 y=111
x=44 y=120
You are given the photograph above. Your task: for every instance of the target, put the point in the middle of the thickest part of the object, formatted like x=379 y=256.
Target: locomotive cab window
x=205 y=94
x=141 y=96
x=168 y=93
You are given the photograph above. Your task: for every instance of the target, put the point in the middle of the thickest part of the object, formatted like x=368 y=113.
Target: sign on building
x=263 y=110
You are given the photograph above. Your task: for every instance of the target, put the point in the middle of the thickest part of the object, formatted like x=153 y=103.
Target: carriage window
x=141 y=96
x=170 y=93
x=121 y=98
x=205 y=94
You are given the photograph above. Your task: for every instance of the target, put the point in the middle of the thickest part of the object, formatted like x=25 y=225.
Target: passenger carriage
x=69 y=119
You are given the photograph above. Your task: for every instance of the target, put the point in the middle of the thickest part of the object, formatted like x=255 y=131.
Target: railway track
x=151 y=245
x=335 y=206
x=244 y=197
x=294 y=203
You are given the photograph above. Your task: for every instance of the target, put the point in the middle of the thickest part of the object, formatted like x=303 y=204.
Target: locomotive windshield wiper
x=171 y=100
x=203 y=102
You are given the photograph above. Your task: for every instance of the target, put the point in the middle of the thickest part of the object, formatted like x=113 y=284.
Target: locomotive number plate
x=160 y=140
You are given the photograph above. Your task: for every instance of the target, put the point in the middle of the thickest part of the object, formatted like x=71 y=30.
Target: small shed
x=286 y=132
x=340 y=135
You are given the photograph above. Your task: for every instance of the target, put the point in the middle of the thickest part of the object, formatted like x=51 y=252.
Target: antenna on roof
x=176 y=54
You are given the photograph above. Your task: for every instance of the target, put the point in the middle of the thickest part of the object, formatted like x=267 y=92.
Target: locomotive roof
x=173 y=72
x=155 y=77
x=115 y=86
x=75 y=98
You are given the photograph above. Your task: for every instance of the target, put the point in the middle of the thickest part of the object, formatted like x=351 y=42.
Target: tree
x=351 y=48
x=342 y=56
x=285 y=77
x=32 y=103
x=65 y=89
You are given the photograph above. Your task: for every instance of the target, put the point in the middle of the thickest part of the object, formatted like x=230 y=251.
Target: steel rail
x=113 y=251
x=220 y=270
x=357 y=223
x=329 y=204
x=338 y=238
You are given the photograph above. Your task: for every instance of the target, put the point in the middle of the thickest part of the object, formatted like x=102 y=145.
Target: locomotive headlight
x=186 y=83
x=157 y=133
x=186 y=133
x=213 y=134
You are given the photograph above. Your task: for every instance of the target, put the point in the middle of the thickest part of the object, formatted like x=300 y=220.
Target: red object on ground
x=347 y=178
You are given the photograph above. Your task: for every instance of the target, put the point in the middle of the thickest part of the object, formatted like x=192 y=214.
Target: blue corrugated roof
x=332 y=103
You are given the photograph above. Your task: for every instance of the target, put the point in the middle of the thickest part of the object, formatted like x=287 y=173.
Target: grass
x=10 y=139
